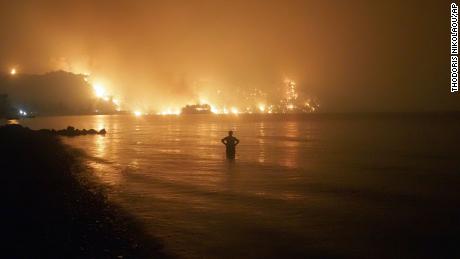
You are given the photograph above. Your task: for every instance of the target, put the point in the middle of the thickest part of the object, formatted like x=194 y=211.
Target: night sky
x=350 y=55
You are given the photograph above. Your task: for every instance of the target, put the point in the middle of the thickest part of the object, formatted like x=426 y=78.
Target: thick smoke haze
x=350 y=55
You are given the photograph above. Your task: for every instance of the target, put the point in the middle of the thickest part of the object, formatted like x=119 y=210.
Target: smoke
x=351 y=56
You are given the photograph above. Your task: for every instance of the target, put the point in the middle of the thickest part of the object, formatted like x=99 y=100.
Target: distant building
x=197 y=109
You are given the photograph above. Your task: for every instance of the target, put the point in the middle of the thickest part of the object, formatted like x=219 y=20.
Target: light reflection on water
x=261 y=140
x=293 y=182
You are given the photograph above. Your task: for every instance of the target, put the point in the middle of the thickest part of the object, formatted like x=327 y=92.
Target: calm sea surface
x=362 y=186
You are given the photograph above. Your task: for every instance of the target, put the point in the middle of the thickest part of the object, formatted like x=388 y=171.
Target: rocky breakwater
x=72 y=132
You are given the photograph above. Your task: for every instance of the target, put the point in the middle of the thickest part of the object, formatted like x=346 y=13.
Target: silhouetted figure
x=230 y=142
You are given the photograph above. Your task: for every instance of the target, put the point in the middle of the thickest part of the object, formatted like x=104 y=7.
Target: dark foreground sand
x=50 y=212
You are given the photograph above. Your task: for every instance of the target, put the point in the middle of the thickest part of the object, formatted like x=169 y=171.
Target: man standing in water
x=230 y=142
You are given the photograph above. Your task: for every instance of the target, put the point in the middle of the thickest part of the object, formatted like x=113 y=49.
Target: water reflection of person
x=230 y=142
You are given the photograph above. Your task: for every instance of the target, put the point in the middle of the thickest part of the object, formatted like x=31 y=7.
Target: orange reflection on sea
x=12 y=122
x=290 y=145
x=261 y=142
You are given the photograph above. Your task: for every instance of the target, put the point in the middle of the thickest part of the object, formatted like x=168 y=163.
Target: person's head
x=230 y=133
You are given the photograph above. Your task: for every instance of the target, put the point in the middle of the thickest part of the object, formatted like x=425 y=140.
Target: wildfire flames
x=290 y=103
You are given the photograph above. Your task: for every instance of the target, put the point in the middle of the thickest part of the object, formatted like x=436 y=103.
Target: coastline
x=52 y=210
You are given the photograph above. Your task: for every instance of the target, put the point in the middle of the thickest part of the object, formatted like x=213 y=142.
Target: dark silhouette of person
x=230 y=142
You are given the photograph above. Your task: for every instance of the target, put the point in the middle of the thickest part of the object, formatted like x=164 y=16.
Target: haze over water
x=370 y=186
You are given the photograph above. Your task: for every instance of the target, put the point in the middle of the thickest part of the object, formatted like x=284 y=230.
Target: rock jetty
x=72 y=132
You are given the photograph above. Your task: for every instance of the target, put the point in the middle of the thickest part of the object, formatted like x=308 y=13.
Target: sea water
x=362 y=186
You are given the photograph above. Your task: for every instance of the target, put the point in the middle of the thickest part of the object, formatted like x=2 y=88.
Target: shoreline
x=54 y=210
